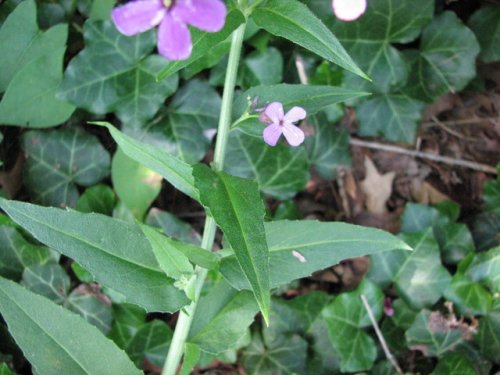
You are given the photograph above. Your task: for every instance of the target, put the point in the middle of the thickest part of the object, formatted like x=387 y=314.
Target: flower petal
x=138 y=16
x=275 y=112
x=174 y=39
x=348 y=10
x=207 y=15
x=272 y=133
x=295 y=114
x=293 y=134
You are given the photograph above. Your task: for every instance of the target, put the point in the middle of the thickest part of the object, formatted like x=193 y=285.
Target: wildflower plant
x=144 y=260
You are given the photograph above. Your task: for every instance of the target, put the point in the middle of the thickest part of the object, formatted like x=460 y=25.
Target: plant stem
x=187 y=314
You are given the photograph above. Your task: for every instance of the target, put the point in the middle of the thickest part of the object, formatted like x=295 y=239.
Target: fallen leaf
x=377 y=188
x=425 y=193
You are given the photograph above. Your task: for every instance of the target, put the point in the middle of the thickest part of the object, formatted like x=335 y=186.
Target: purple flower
x=173 y=16
x=282 y=124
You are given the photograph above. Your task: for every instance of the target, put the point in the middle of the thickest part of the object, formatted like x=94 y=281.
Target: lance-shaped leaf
x=60 y=159
x=294 y=21
x=204 y=42
x=237 y=208
x=311 y=98
x=221 y=319
x=446 y=60
x=299 y=248
x=57 y=341
x=174 y=170
x=115 y=74
x=115 y=252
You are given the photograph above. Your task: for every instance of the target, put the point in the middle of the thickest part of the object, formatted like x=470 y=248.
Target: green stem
x=186 y=315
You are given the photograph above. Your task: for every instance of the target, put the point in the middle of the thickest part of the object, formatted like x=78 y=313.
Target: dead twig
x=381 y=338
x=423 y=155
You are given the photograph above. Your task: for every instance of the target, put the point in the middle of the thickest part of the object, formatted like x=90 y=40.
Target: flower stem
x=187 y=314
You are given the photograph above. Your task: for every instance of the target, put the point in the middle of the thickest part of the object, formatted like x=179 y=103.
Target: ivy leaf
x=486 y=25
x=16 y=253
x=446 y=60
x=394 y=116
x=369 y=40
x=328 y=148
x=263 y=68
x=454 y=364
x=419 y=276
x=433 y=334
x=99 y=198
x=487 y=336
x=31 y=70
x=485 y=268
x=237 y=208
x=48 y=280
x=221 y=319
x=346 y=317
x=151 y=343
x=36 y=323
x=294 y=254
x=280 y=171
x=173 y=227
x=491 y=194
x=179 y=129
x=469 y=297
x=115 y=74
x=127 y=320
x=294 y=21
x=59 y=160
x=116 y=253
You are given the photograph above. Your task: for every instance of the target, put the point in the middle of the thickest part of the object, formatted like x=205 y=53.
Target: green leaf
x=263 y=68
x=174 y=170
x=311 y=98
x=136 y=186
x=172 y=261
x=173 y=227
x=237 y=208
x=486 y=25
x=180 y=128
x=328 y=148
x=369 y=40
x=295 y=22
x=127 y=320
x=287 y=356
x=280 y=171
x=92 y=305
x=294 y=253
x=191 y=357
x=31 y=70
x=115 y=74
x=433 y=334
x=116 y=253
x=101 y=10
x=5 y=370
x=454 y=364
x=487 y=336
x=455 y=241
x=345 y=317
x=446 y=60
x=221 y=319
x=486 y=230
x=419 y=277
x=150 y=343
x=485 y=268
x=393 y=116
x=491 y=194
x=99 y=198
x=469 y=298
x=36 y=324
x=60 y=159
x=16 y=253
x=203 y=42
x=48 y=280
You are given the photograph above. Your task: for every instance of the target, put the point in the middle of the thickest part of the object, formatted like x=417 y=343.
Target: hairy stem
x=186 y=315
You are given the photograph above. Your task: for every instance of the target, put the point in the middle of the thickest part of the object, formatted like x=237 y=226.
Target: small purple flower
x=173 y=16
x=279 y=123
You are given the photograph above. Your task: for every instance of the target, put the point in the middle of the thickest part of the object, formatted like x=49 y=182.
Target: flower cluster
x=173 y=18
